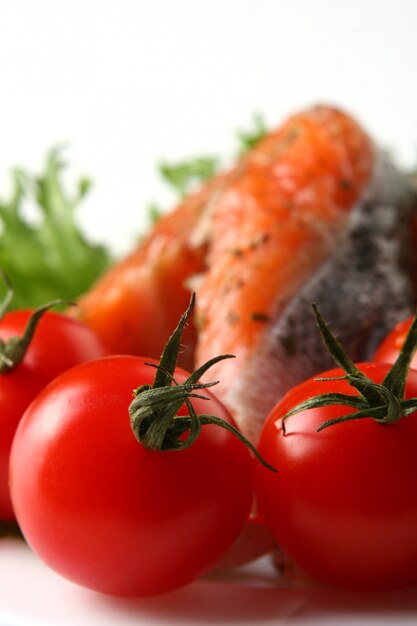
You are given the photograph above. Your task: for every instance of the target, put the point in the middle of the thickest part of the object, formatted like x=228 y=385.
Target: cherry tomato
x=343 y=504
x=58 y=344
x=106 y=512
x=390 y=347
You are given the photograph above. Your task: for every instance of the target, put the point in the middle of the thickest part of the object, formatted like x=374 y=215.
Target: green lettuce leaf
x=48 y=256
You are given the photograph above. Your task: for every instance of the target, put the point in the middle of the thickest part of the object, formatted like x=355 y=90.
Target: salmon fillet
x=295 y=220
x=316 y=213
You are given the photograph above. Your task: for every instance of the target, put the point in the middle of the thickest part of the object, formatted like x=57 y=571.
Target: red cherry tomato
x=109 y=514
x=390 y=347
x=343 y=504
x=58 y=344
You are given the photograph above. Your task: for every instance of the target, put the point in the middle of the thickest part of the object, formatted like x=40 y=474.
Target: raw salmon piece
x=252 y=244
x=136 y=305
x=362 y=288
x=283 y=213
x=313 y=212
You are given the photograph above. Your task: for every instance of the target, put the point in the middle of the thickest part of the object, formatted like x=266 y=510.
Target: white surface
x=127 y=83
x=32 y=595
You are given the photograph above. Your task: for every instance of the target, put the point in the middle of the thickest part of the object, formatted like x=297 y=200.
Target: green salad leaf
x=182 y=176
x=247 y=139
x=48 y=256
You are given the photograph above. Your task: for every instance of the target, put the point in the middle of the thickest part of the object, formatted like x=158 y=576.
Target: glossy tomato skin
x=105 y=512
x=390 y=347
x=344 y=502
x=58 y=344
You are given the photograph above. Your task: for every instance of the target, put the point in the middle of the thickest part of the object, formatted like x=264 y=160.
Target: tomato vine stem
x=12 y=351
x=154 y=410
x=383 y=402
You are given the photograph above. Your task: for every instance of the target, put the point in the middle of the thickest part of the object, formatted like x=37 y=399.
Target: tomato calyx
x=12 y=351
x=154 y=410
x=383 y=402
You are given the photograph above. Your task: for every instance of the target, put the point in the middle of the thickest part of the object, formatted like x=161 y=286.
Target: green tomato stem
x=383 y=402
x=154 y=410
x=12 y=351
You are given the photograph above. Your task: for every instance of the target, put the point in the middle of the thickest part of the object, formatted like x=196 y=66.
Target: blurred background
x=125 y=84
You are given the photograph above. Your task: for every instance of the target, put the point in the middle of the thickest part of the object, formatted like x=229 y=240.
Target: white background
x=126 y=83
